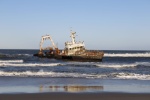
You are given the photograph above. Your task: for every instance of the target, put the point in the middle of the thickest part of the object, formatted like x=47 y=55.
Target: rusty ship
x=73 y=51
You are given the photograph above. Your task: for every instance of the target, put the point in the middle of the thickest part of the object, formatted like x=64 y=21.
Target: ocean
x=120 y=71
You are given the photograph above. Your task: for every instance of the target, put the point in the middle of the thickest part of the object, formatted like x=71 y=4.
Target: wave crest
x=77 y=75
x=11 y=61
x=28 y=64
x=127 y=54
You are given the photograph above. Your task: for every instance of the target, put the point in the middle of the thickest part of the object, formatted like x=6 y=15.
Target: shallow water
x=42 y=85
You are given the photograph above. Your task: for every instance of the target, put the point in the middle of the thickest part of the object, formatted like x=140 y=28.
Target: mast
x=73 y=37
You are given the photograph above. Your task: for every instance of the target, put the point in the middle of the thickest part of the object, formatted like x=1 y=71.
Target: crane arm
x=45 y=38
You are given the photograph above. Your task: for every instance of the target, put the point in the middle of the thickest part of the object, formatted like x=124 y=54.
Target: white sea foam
x=11 y=61
x=132 y=76
x=122 y=75
x=20 y=63
x=77 y=75
x=143 y=63
x=24 y=54
x=28 y=64
x=43 y=74
x=127 y=54
x=122 y=65
x=107 y=65
x=101 y=64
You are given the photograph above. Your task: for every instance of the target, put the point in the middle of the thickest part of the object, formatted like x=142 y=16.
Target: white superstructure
x=71 y=48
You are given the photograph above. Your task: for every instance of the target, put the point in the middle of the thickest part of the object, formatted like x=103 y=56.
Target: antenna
x=70 y=29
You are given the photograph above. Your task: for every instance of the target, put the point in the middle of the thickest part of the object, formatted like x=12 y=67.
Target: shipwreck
x=73 y=51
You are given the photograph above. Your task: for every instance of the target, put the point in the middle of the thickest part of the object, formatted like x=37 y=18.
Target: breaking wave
x=44 y=74
x=20 y=63
x=15 y=55
x=11 y=61
x=132 y=76
x=28 y=64
x=24 y=54
x=127 y=54
x=116 y=65
x=77 y=75
x=143 y=63
x=108 y=65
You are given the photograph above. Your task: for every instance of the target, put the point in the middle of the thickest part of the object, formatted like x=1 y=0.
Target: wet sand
x=76 y=96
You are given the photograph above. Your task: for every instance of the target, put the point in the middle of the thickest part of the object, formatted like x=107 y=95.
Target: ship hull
x=73 y=57
x=79 y=58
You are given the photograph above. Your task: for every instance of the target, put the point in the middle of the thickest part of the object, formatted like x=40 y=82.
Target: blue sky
x=102 y=24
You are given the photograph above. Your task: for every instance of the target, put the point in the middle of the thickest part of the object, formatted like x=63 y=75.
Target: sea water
x=120 y=71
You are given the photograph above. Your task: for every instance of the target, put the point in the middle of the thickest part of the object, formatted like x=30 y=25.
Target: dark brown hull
x=73 y=57
x=79 y=58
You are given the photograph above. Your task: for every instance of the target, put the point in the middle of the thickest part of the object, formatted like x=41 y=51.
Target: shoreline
x=76 y=96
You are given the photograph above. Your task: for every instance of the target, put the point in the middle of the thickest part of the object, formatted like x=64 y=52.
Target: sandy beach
x=75 y=96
